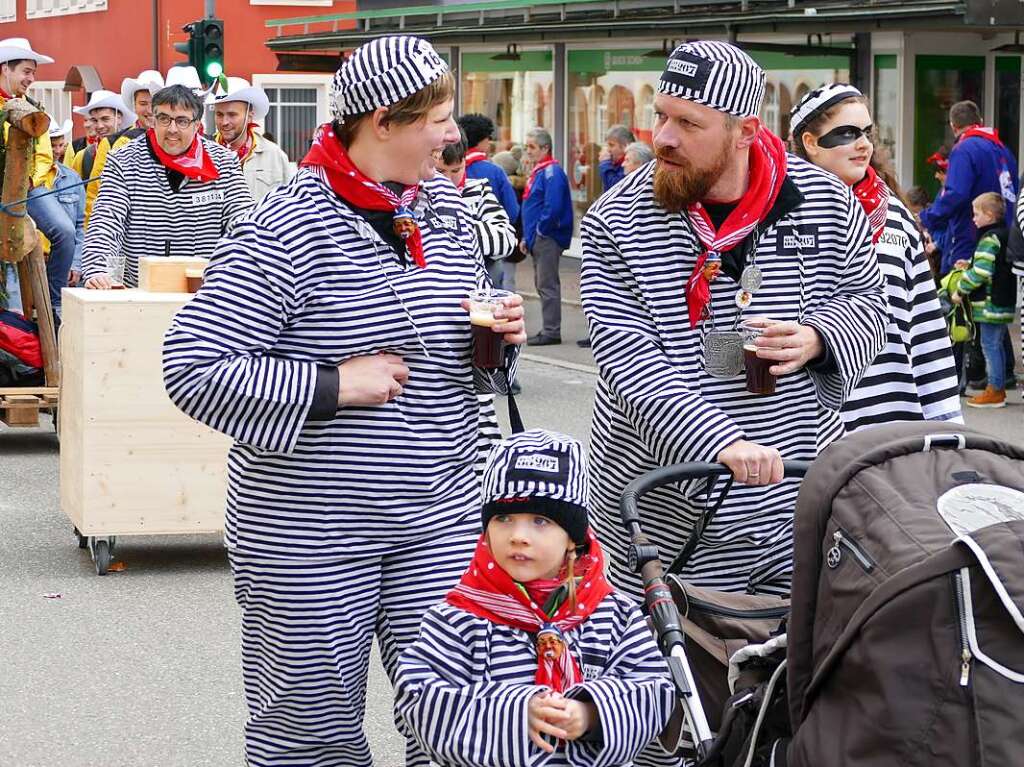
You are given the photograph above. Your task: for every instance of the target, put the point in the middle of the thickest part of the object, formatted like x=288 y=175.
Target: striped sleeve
x=982 y=267
x=852 y=321
x=931 y=357
x=455 y=718
x=216 y=366
x=494 y=231
x=238 y=199
x=108 y=221
x=675 y=422
x=634 y=699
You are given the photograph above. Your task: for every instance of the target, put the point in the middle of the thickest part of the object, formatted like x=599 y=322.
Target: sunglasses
x=843 y=135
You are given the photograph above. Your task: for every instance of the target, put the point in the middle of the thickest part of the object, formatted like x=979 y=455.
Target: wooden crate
x=20 y=409
x=130 y=461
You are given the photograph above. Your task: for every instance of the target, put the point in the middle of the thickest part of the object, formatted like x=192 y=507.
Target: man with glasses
x=172 y=192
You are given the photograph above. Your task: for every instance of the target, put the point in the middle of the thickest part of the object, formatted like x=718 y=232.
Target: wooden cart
x=131 y=463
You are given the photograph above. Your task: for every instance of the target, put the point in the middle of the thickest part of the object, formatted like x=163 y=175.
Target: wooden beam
x=44 y=315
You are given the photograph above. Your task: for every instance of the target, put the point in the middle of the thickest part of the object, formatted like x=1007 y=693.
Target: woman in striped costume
x=914 y=377
x=533 y=658
x=722 y=226
x=331 y=342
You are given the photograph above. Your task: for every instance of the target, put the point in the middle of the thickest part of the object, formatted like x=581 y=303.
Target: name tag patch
x=687 y=71
x=794 y=241
x=544 y=463
x=205 y=198
x=443 y=222
x=894 y=238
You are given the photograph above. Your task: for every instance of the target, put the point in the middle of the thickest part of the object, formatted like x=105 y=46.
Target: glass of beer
x=115 y=269
x=194 y=279
x=487 y=345
x=759 y=379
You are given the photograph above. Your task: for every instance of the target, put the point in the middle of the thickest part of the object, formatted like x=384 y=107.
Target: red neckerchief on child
x=246 y=148
x=462 y=181
x=475 y=156
x=767 y=171
x=488 y=592
x=537 y=169
x=350 y=184
x=5 y=95
x=981 y=132
x=194 y=163
x=873 y=195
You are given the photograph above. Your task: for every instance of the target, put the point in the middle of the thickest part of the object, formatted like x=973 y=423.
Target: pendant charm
x=743 y=298
x=403 y=223
x=723 y=353
x=712 y=266
x=550 y=642
x=750 y=279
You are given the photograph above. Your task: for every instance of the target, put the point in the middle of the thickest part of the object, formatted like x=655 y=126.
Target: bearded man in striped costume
x=721 y=227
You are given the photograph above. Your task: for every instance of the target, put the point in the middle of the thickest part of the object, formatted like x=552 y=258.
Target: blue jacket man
x=979 y=163
x=616 y=140
x=547 y=231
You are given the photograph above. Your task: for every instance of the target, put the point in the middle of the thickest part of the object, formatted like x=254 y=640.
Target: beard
x=677 y=188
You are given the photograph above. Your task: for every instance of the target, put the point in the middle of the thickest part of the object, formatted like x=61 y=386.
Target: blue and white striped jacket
x=656 y=405
x=298 y=286
x=463 y=687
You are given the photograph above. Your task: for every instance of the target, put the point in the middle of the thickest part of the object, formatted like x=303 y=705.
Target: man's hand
x=790 y=344
x=523 y=249
x=512 y=326
x=961 y=263
x=99 y=282
x=371 y=380
x=751 y=463
x=544 y=709
x=73 y=278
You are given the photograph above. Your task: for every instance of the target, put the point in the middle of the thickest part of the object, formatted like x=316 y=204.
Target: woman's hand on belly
x=371 y=380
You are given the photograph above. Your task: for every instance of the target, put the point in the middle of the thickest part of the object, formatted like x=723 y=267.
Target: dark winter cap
x=539 y=472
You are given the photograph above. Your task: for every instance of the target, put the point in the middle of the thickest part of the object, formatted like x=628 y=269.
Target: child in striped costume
x=533 y=658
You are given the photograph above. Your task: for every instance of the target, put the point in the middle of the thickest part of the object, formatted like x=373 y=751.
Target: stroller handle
x=681 y=472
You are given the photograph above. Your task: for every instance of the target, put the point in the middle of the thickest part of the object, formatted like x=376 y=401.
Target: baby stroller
x=904 y=643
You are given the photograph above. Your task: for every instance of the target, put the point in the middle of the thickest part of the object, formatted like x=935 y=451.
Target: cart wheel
x=83 y=542
x=101 y=553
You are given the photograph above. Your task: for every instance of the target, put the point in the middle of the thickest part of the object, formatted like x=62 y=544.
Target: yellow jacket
x=103 y=148
x=42 y=172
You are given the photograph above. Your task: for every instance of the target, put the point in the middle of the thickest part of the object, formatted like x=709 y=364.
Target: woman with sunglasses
x=914 y=377
x=331 y=340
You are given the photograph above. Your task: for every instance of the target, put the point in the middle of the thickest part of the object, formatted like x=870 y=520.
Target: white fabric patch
x=794 y=241
x=205 y=198
x=967 y=508
x=686 y=68
x=545 y=463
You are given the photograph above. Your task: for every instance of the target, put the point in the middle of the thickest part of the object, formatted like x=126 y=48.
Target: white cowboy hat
x=148 y=80
x=18 y=48
x=240 y=90
x=62 y=129
x=107 y=100
x=187 y=76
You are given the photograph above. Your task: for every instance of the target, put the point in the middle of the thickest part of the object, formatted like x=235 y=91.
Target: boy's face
x=454 y=172
x=981 y=218
x=528 y=546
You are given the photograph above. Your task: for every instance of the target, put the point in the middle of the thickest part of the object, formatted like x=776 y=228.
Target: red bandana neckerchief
x=981 y=132
x=194 y=163
x=767 y=171
x=350 y=184
x=537 y=169
x=5 y=95
x=245 y=150
x=487 y=591
x=473 y=157
x=873 y=195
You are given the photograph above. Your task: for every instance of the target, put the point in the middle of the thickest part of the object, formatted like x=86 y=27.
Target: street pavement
x=142 y=667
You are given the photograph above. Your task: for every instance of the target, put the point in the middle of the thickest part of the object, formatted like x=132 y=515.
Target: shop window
x=35 y=9
x=885 y=98
x=515 y=90
x=298 y=106
x=1008 y=101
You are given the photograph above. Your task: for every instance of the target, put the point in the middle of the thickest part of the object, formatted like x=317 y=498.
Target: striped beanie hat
x=816 y=102
x=382 y=73
x=715 y=74
x=539 y=472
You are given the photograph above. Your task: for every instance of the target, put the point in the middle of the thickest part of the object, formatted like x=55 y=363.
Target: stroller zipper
x=961 y=613
x=728 y=612
x=842 y=541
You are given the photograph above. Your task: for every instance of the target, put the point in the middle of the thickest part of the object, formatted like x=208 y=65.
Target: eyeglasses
x=843 y=135
x=165 y=120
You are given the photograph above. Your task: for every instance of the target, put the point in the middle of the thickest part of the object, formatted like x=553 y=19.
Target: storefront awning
x=544 y=20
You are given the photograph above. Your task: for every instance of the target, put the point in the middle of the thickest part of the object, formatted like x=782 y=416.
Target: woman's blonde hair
x=409 y=110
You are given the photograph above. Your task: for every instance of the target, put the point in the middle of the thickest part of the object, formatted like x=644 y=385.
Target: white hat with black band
x=383 y=72
x=16 y=48
x=715 y=74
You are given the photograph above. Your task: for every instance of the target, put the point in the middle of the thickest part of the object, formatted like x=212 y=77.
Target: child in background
x=533 y=658
x=991 y=288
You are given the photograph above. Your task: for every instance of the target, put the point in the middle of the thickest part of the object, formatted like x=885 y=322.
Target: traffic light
x=204 y=48
x=210 y=49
